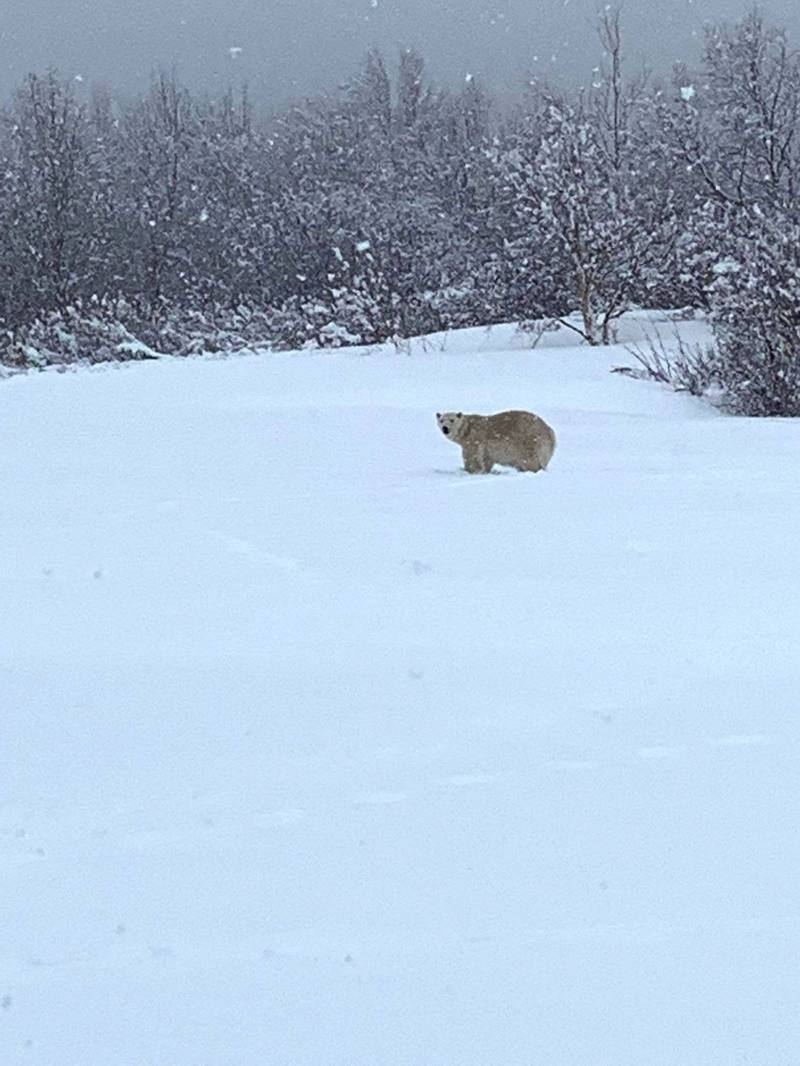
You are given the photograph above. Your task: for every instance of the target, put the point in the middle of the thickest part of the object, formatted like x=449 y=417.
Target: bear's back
x=509 y=425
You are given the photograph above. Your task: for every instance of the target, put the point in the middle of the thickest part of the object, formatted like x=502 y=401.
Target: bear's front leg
x=472 y=458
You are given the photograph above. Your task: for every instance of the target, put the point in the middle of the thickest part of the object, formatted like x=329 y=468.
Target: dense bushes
x=755 y=314
x=392 y=209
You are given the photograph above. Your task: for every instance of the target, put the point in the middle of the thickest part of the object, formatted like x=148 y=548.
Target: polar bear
x=510 y=438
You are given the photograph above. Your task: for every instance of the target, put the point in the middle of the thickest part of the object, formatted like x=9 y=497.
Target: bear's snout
x=445 y=430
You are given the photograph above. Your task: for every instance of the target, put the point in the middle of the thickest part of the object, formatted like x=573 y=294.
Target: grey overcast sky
x=288 y=48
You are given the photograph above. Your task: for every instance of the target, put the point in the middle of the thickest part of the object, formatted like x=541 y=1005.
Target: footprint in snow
x=417 y=567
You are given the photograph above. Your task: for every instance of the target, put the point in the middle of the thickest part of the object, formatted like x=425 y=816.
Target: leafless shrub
x=534 y=329
x=685 y=367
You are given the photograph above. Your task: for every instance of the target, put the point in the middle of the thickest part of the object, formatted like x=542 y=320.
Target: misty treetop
x=392 y=208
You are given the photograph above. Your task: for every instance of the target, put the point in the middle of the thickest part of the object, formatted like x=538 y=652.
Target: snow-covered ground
x=316 y=751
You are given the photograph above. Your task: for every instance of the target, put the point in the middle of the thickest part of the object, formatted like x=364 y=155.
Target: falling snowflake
x=235 y=51
x=687 y=92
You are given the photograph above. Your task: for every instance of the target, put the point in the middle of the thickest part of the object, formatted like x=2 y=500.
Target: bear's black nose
x=445 y=430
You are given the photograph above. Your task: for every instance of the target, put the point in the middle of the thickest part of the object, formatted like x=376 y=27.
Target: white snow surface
x=317 y=751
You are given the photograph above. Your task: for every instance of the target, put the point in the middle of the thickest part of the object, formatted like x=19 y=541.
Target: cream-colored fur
x=510 y=438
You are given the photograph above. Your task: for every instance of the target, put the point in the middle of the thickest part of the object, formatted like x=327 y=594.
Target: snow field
x=317 y=751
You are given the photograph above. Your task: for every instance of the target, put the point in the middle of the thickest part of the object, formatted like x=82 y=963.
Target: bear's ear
x=459 y=415
x=438 y=414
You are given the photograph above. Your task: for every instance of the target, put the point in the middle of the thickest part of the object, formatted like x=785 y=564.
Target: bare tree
x=158 y=133
x=734 y=124
x=51 y=154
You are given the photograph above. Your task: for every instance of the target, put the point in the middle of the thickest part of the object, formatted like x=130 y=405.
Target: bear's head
x=451 y=423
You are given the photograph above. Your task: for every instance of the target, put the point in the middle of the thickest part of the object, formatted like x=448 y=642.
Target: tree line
x=392 y=208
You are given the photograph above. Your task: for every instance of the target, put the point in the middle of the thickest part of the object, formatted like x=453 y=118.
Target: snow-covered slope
x=319 y=752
